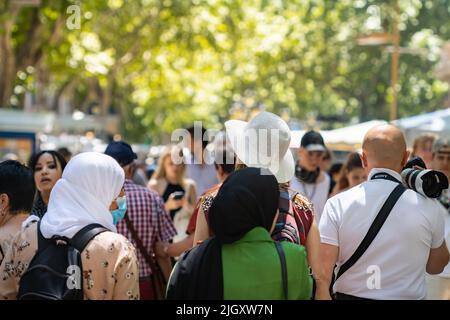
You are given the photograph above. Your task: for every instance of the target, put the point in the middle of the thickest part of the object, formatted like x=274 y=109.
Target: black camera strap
x=377 y=223
x=384 y=176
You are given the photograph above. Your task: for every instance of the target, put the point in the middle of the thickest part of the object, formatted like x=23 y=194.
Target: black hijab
x=247 y=199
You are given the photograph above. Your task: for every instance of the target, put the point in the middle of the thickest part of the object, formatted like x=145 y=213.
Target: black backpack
x=56 y=272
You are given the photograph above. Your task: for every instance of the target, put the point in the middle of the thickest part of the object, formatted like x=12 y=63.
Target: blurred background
x=79 y=74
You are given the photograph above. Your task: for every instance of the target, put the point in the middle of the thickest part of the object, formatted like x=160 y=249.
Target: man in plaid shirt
x=145 y=212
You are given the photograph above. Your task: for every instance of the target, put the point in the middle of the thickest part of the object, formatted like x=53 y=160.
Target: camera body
x=429 y=183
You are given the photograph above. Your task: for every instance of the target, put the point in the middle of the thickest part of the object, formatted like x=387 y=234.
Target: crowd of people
x=246 y=221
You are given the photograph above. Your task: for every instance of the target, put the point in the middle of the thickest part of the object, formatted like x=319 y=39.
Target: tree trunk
x=30 y=49
x=92 y=94
x=364 y=115
x=107 y=95
x=8 y=68
x=66 y=90
x=28 y=53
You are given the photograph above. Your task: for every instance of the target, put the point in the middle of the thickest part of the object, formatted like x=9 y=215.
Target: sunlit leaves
x=168 y=63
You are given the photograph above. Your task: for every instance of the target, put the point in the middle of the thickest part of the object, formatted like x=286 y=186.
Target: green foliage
x=167 y=63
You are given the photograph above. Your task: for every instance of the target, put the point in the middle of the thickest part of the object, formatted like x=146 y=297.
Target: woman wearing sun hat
x=263 y=143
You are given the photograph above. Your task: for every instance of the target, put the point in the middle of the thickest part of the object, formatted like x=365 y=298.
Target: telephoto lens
x=429 y=183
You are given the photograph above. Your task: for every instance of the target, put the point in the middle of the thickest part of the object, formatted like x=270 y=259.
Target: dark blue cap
x=121 y=151
x=313 y=141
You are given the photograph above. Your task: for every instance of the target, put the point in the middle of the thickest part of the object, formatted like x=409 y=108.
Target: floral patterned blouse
x=8 y=231
x=294 y=229
x=110 y=266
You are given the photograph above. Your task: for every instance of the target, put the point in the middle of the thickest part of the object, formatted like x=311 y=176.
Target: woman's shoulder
x=29 y=228
x=9 y=230
x=109 y=242
x=157 y=184
x=25 y=241
x=294 y=251
x=152 y=182
x=157 y=181
x=189 y=182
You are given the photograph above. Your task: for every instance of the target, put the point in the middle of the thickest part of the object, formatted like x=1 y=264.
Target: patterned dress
x=110 y=266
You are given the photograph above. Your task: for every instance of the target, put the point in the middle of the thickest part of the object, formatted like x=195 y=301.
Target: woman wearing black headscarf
x=242 y=261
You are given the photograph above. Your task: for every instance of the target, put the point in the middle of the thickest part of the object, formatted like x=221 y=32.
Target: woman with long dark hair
x=47 y=167
x=90 y=191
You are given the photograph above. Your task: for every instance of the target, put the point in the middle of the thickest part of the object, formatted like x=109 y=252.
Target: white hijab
x=89 y=183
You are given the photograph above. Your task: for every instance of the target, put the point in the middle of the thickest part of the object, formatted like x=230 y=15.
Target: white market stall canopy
x=350 y=137
x=437 y=122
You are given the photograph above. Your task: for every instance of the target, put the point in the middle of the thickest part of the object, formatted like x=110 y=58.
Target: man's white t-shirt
x=317 y=193
x=393 y=267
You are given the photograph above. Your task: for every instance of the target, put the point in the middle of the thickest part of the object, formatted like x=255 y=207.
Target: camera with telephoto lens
x=429 y=183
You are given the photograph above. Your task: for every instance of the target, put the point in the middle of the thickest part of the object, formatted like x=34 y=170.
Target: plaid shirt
x=145 y=208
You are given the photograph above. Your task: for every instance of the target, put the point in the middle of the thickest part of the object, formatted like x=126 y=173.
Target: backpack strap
x=283 y=268
x=86 y=234
x=296 y=217
x=284 y=230
x=374 y=228
x=42 y=242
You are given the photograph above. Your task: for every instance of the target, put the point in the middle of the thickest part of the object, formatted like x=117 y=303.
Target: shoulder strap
x=298 y=221
x=291 y=209
x=42 y=242
x=283 y=202
x=148 y=258
x=374 y=228
x=283 y=268
x=86 y=234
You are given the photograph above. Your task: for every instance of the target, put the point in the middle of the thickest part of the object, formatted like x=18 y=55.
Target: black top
x=171 y=188
x=247 y=199
x=39 y=208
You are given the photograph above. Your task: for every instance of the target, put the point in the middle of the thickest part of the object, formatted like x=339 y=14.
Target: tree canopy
x=163 y=64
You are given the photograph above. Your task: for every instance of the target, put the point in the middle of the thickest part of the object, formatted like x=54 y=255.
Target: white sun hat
x=263 y=142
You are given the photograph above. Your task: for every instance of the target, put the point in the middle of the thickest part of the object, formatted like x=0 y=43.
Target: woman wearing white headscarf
x=84 y=195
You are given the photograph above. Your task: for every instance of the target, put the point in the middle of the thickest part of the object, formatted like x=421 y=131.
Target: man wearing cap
x=439 y=285
x=309 y=179
x=146 y=216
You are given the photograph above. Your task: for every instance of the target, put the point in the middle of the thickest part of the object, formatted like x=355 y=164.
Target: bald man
x=410 y=242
